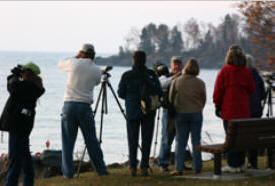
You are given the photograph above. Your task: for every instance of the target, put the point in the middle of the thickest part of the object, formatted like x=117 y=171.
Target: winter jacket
x=130 y=87
x=233 y=87
x=256 y=98
x=188 y=94
x=19 y=111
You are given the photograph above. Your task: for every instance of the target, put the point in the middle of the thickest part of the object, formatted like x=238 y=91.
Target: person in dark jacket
x=233 y=87
x=129 y=89
x=25 y=87
x=256 y=106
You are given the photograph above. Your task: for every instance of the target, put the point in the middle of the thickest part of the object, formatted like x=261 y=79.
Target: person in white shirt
x=168 y=130
x=83 y=76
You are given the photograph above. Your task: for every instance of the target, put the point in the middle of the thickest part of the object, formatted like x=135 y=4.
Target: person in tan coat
x=188 y=96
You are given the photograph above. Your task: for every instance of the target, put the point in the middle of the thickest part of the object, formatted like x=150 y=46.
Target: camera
x=106 y=69
x=17 y=71
x=162 y=70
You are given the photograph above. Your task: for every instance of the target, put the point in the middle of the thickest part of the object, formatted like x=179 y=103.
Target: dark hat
x=88 y=48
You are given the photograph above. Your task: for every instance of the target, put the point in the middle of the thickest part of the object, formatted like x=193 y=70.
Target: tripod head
x=106 y=76
x=105 y=72
x=270 y=80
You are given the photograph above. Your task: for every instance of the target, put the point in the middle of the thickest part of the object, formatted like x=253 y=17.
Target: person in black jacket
x=25 y=87
x=130 y=87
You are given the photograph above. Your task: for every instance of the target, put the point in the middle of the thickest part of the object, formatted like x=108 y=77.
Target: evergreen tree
x=176 y=42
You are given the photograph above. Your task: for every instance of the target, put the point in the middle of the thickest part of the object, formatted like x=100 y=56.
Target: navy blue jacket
x=256 y=98
x=129 y=90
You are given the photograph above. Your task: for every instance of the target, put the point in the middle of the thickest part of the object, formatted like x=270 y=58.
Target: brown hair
x=235 y=56
x=139 y=57
x=192 y=67
x=31 y=76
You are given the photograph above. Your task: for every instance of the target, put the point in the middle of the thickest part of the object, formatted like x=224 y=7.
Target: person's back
x=83 y=75
x=129 y=89
x=190 y=96
x=256 y=98
x=233 y=87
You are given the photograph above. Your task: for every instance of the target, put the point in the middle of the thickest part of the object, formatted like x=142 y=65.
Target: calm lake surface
x=114 y=138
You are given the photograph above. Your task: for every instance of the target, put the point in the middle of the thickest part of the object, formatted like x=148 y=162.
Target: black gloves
x=218 y=112
x=17 y=71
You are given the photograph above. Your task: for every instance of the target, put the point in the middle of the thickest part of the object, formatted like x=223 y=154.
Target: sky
x=59 y=26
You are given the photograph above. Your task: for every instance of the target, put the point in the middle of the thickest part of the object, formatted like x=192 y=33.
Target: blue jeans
x=186 y=123
x=147 y=128
x=74 y=115
x=20 y=157
x=234 y=158
x=167 y=139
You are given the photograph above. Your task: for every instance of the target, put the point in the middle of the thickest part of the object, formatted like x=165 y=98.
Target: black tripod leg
x=98 y=98
x=103 y=104
x=118 y=103
x=79 y=164
x=270 y=102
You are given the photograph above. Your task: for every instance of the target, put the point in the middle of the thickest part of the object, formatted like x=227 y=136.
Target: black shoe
x=133 y=172
x=187 y=168
x=144 y=172
x=103 y=174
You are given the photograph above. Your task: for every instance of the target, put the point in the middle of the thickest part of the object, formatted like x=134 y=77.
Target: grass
x=121 y=177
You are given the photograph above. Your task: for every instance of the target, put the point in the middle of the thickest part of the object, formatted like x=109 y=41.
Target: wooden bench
x=243 y=135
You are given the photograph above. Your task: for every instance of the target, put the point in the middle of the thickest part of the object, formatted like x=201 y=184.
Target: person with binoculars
x=24 y=87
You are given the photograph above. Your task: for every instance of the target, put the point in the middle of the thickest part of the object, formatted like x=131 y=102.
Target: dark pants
x=147 y=128
x=252 y=155
x=20 y=157
x=234 y=158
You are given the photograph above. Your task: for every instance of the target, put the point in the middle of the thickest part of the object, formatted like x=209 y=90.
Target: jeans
x=147 y=127
x=186 y=123
x=74 y=115
x=20 y=157
x=167 y=139
x=234 y=158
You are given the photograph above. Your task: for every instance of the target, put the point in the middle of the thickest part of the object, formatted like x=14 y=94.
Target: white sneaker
x=232 y=169
x=229 y=169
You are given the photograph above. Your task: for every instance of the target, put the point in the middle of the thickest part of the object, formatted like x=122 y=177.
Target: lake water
x=114 y=138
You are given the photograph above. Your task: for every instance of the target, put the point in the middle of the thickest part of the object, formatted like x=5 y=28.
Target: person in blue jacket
x=256 y=104
x=130 y=90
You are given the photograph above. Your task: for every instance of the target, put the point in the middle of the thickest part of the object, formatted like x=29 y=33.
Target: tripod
x=268 y=99
x=156 y=138
x=104 y=109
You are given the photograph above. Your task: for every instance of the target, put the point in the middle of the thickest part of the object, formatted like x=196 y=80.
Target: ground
x=121 y=177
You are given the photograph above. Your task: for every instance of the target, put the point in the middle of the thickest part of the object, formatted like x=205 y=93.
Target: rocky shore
x=48 y=164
